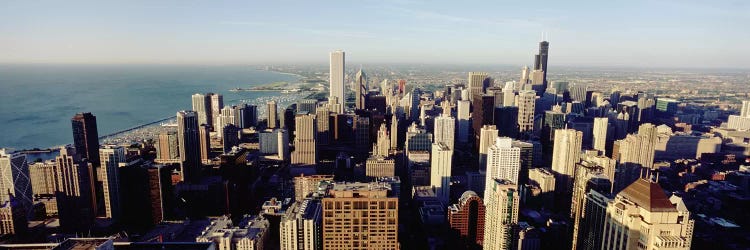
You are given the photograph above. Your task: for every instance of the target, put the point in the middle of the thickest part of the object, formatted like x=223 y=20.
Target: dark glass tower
x=540 y=60
x=86 y=137
x=188 y=140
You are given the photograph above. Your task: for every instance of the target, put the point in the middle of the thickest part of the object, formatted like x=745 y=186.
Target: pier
x=136 y=127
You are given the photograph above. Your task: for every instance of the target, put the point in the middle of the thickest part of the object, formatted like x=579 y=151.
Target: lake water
x=37 y=101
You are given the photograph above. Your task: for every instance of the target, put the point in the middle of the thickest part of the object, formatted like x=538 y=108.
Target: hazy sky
x=677 y=33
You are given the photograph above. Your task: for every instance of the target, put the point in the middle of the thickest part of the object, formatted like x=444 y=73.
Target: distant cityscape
x=405 y=157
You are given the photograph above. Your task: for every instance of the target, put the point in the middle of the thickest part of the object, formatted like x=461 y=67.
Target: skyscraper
x=540 y=60
x=383 y=144
x=187 y=136
x=642 y=217
x=467 y=218
x=501 y=215
x=565 y=155
x=379 y=166
x=86 y=137
x=111 y=157
x=476 y=83
x=487 y=136
x=445 y=127
x=503 y=161
x=204 y=142
x=361 y=89
x=167 y=147
x=304 y=141
x=217 y=103
x=745 y=110
x=591 y=225
x=463 y=114
x=440 y=170
x=601 y=124
x=337 y=69
x=271 y=115
x=526 y=102
x=301 y=226
x=74 y=193
x=15 y=180
x=524 y=76
x=482 y=114
x=370 y=222
x=202 y=107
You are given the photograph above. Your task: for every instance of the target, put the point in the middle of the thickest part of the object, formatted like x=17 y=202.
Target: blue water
x=37 y=101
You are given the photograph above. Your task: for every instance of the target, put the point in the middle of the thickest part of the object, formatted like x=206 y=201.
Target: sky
x=673 y=33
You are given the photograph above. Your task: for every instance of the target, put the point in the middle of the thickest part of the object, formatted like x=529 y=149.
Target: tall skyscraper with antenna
x=540 y=60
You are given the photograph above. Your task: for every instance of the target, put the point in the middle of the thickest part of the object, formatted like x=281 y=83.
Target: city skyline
x=633 y=34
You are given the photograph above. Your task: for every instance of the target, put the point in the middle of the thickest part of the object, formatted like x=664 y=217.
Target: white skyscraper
x=487 y=136
x=111 y=156
x=337 y=70
x=745 y=111
x=526 y=104
x=445 y=127
x=565 y=154
x=463 y=113
x=509 y=94
x=503 y=161
x=440 y=170
x=600 y=133
x=501 y=199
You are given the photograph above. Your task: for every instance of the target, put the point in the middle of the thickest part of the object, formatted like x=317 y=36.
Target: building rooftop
x=84 y=244
x=648 y=195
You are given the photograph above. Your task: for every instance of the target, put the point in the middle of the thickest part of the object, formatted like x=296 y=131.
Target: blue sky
x=636 y=33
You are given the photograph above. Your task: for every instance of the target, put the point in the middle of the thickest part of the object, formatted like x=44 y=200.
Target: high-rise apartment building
x=445 y=127
x=476 y=83
x=487 y=136
x=167 y=149
x=501 y=214
x=204 y=141
x=591 y=224
x=337 y=78
x=304 y=140
x=565 y=155
x=202 y=107
x=440 y=170
x=601 y=124
x=526 y=104
x=187 y=137
x=217 y=103
x=467 y=218
x=42 y=175
x=463 y=114
x=642 y=217
x=86 y=137
x=272 y=120
x=503 y=161
x=301 y=226
x=76 y=199
x=361 y=89
x=111 y=157
x=360 y=216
